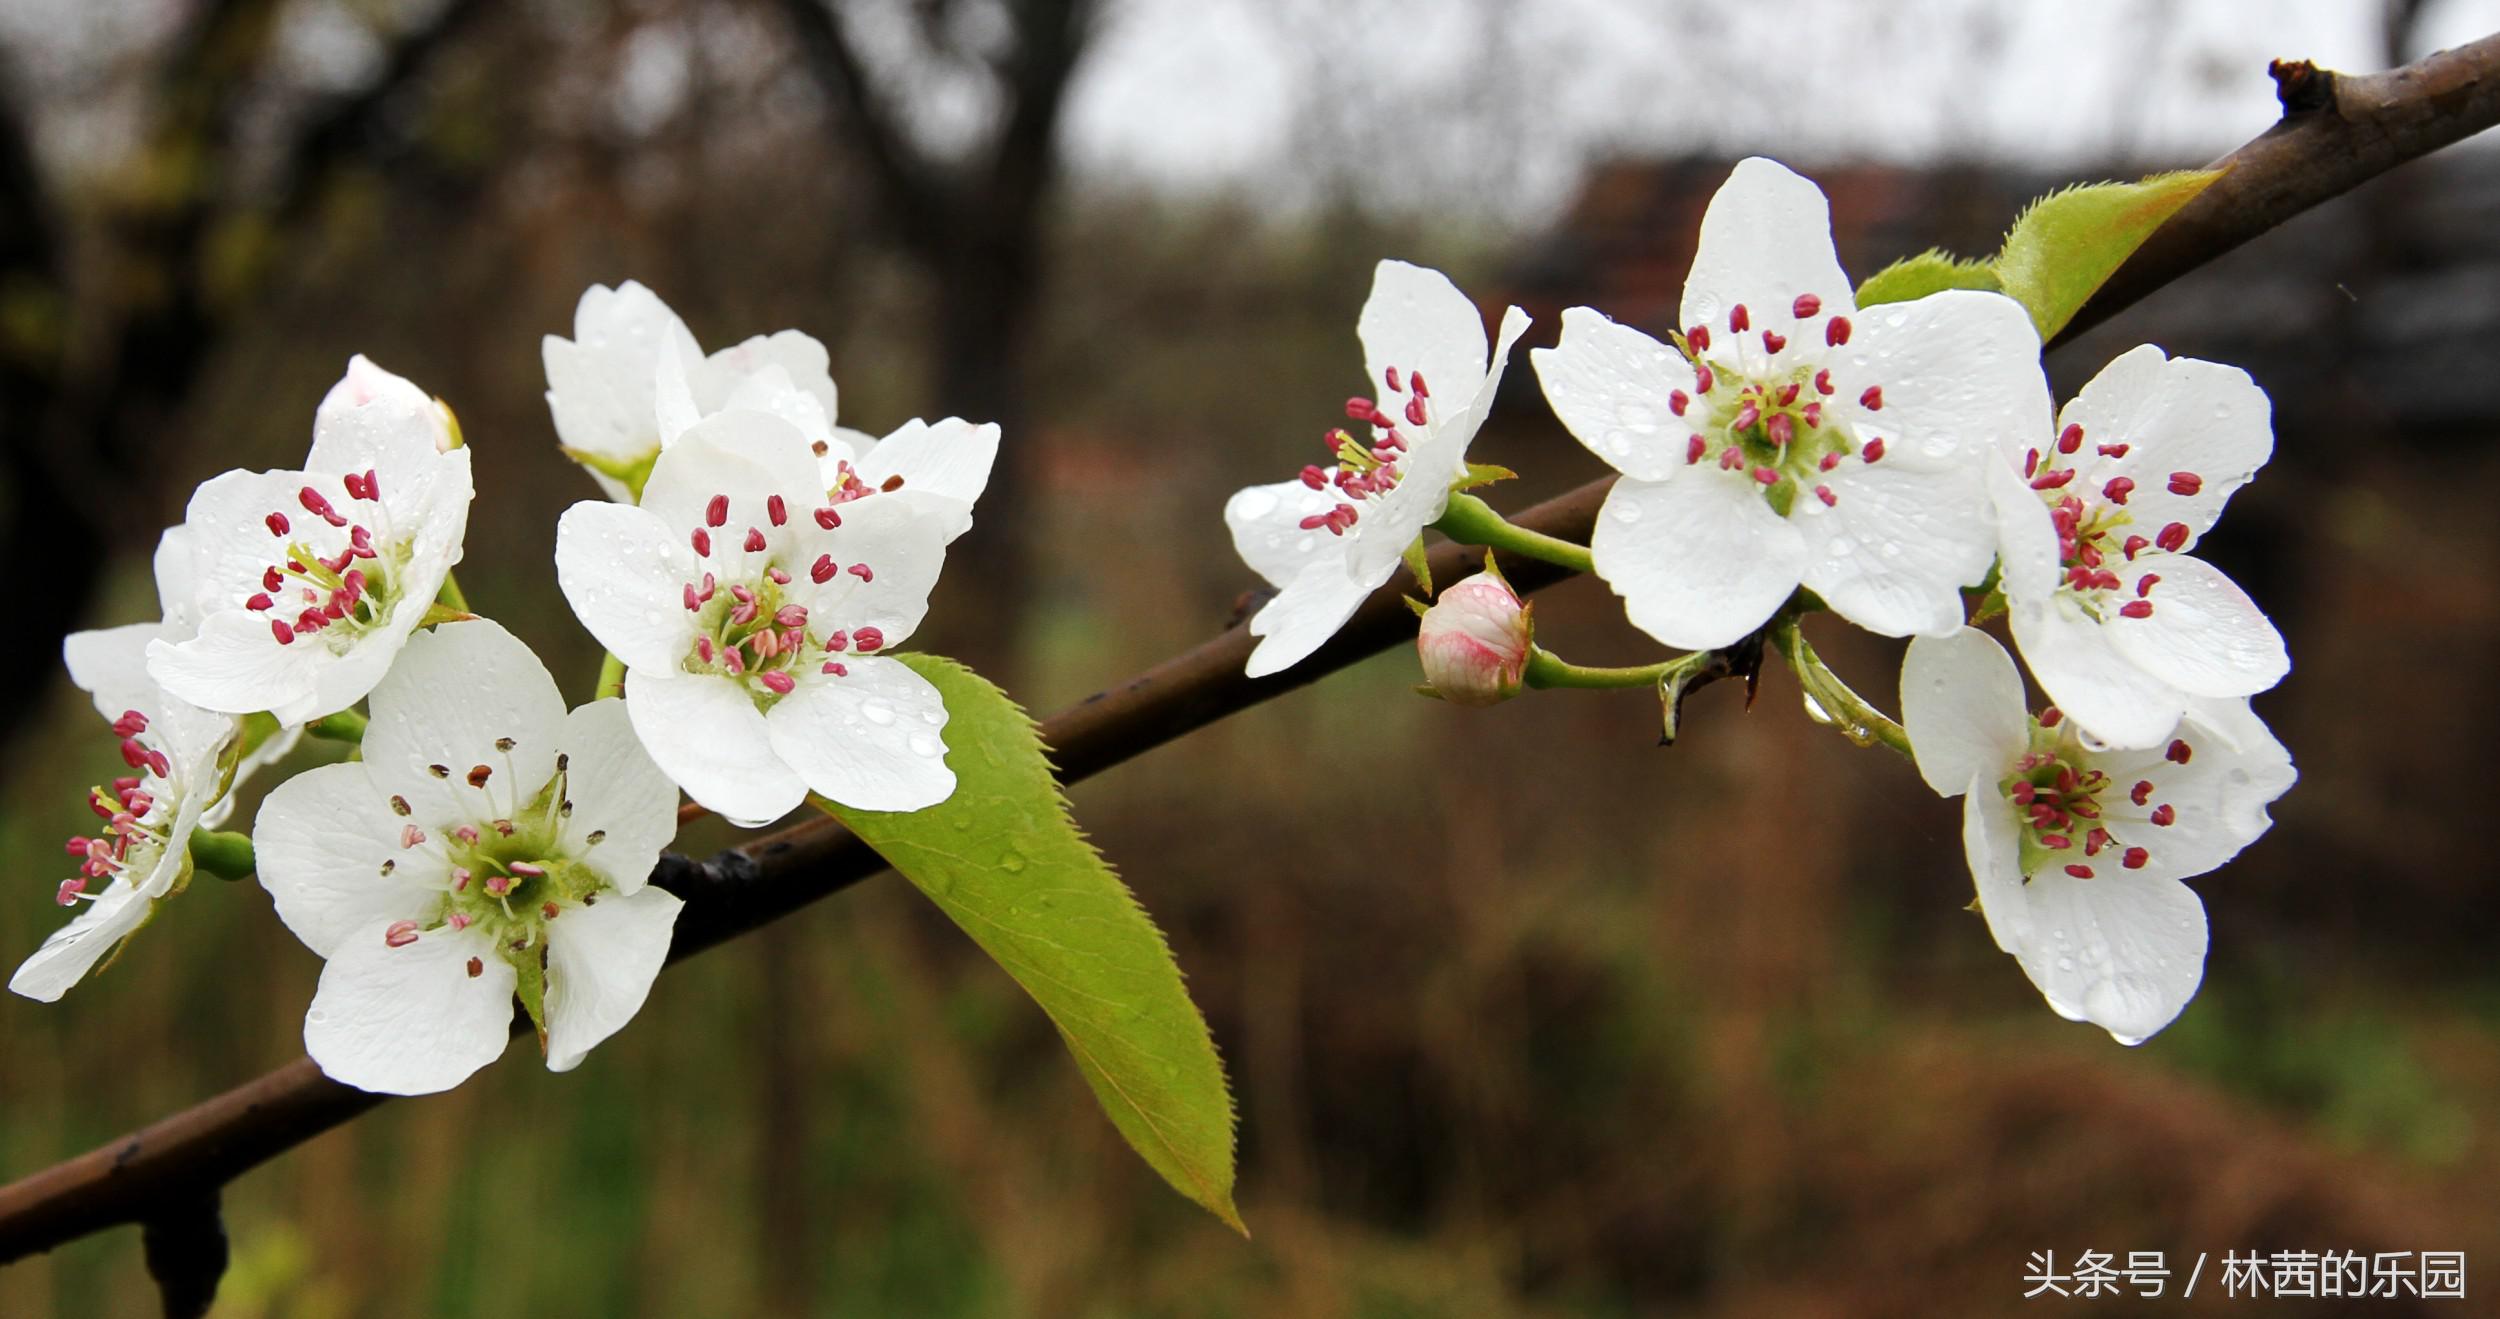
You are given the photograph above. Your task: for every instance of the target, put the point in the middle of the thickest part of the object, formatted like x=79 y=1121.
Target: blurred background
x=1538 y=1018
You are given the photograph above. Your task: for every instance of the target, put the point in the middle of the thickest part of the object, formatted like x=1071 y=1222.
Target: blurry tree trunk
x=975 y=225
x=91 y=415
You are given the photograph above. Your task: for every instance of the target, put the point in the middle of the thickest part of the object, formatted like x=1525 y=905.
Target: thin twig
x=2384 y=119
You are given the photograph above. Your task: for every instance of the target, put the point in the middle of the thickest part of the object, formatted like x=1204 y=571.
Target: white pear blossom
x=143 y=854
x=2122 y=626
x=1474 y=641
x=942 y=466
x=365 y=383
x=601 y=382
x=1334 y=535
x=754 y=608
x=2078 y=849
x=1802 y=441
x=305 y=584
x=487 y=844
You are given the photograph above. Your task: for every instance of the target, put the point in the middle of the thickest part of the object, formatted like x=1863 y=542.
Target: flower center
x=2074 y=815
x=746 y=627
x=134 y=835
x=1778 y=420
x=2096 y=551
x=342 y=595
x=511 y=872
x=1360 y=471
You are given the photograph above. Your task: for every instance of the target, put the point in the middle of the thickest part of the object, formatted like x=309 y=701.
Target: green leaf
x=1931 y=271
x=2067 y=244
x=1005 y=861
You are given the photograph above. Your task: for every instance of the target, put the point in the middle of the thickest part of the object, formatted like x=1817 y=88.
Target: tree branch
x=2386 y=119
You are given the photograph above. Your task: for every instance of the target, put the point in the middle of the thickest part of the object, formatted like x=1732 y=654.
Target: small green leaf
x=2067 y=244
x=1005 y=861
x=1931 y=271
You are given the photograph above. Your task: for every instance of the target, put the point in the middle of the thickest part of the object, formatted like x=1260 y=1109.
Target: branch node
x=185 y=1246
x=2302 y=87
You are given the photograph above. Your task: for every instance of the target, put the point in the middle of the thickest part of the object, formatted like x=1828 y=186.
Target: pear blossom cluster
x=1783 y=450
x=489 y=850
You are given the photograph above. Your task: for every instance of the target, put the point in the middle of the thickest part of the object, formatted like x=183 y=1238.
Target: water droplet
x=1840 y=546
x=1303 y=546
x=1619 y=442
x=935 y=717
x=1625 y=512
x=1254 y=504
x=1637 y=416
x=1012 y=863
x=878 y=710
x=2065 y=964
x=924 y=745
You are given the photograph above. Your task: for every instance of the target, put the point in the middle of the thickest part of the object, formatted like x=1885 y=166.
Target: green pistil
x=1798 y=463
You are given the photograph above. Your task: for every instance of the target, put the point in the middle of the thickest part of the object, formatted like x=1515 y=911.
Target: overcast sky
x=1497 y=105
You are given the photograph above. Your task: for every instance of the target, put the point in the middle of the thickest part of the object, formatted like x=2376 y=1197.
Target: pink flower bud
x=1474 y=642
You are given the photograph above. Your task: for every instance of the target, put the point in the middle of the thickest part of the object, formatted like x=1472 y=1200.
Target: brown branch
x=193 y=1152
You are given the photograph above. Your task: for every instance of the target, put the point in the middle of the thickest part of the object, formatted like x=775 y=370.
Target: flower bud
x=1474 y=642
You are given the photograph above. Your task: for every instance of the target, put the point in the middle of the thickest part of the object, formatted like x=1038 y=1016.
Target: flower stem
x=611 y=677
x=1471 y=521
x=222 y=853
x=345 y=726
x=1829 y=700
x=1546 y=669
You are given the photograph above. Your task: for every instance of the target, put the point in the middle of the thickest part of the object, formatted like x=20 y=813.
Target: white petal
x=178 y=584
x=2235 y=770
x=872 y=740
x=904 y=549
x=625 y=572
x=705 y=733
x=790 y=354
x=75 y=948
x=1266 y=524
x=1699 y=561
x=2174 y=415
x=1303 y=616
x=1893 y=554
x=394 y=435
x=617 y=792
x=111 y=665
x=366 y=384
x=410 y=1020
x=1416 y=320
x=1992 y=844
x=601 y=960
x=600 y=404
x=1962 y=705
x=2027 y=550
x=1612 y=385
x=230 y=545
x=2205 y=637
x=2124 y=950
x=319 y=845
x=950 y=458
x=457 y=694
x=1959 y=370
x=1766 y=237
x=673 y=409
x=2086 y=676
x=771 y=390
x=748 y=456
x=234 y=666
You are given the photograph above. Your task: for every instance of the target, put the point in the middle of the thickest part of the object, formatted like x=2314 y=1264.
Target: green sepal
x=1419 y=562
x=1483 y=474
x=1415 y=606
x=2066 y=245
x=1931 y=271
x=627 y=472
x=529 y=968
